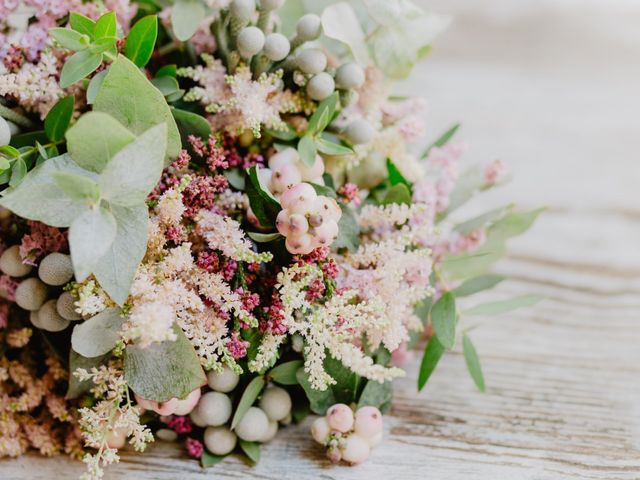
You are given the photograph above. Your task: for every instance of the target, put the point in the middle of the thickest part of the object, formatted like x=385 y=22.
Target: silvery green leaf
x=136 y=169
x=341 y=23
x=473 y=362
x=482 y=221
x=471 y=264
x=94 y=86
x=77 y=387
x=99 y=334
x=39 y=198
x=515 y=223
x=186 y=15
x=444 y=318
x=478 y=284
x=503 y=306
x=388 y=12
x=95 y=139
x=116 y=269
x=77 y=187
x=90 y=236
x=128 y=96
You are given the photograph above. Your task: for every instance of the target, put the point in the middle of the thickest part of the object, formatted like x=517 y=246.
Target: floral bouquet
x=214 y=222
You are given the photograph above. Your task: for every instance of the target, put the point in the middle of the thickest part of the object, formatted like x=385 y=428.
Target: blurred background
x=552 y=88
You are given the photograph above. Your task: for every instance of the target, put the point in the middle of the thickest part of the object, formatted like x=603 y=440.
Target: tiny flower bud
x=276 y=47
x=359 y=132
x=320 y=86
x=311 y=60
x=309 y=27
x=250 y=41
x=350 y=76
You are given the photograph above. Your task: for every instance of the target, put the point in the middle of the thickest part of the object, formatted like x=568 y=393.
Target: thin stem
x=15 y=117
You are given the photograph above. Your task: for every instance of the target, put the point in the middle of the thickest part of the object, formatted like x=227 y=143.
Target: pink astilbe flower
x=195 y=448
x=494 y=173
x=8 y=287
x=41 y=240
x=349 y=192
x=236 y=346
x=180 y=424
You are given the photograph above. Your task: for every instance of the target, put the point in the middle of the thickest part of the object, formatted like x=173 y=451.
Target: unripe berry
x=311 y=60
x=368 y=422
x=250 y=41
x=355 y=449
x=196 y=419
x=253 y=426
x=350 y=76
x=214 y=408
x=326 y=233
x=340 y=417
x=31 y=294
x=5 y=132
x=276 y=403
x=309 y=27
x=284 y=157
x=49 y=318
x=272 y=430
x=33 y=318
x=300 y=244
x=11 y=262
x=187 y=404
x=220 y=440
x=301 y=194
x=166 y=435
x=270 y=5
x=224 y=381
x=242 y=9
x=314 y=171
x=320 y=86
x=276 y=47
x=359 y=131
x=284 y=178
x=320 y=430
x=56 y=269
x=65 y=305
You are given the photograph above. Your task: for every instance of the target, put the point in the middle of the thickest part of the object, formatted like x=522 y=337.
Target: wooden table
x=556 y=95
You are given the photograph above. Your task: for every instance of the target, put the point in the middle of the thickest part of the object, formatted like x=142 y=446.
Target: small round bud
x=309 y=27
x=359 y=131
x=220 y=440
x=297 y=342
x=242 y=9
x=286 y=156
x=11 y=263
x=368 y=422
x=214 y=408
x=320 y=430
x=340 y=417
x=300 y=244
x=5 y=132
x=253 y=426
x=350 y=76
x=65 y=305
x=50 y=319
x=311 y=60
x=320 y=86
x=276 y=47
x=224 y=381
x=276 y=403
x=166 y=435
x=270 y=5
x=250 y=41
x=272 y=430
x=355 y=449
x=31 y=294
x=186 y=405
x=55 y=269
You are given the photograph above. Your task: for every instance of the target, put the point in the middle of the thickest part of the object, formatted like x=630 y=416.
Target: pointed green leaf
x=323 y=114
x=248 y=398
x=77 y=187
x=99 y=334
x=105 y=26
x=443 y=139
x=333 y=149
x=285 y=373
x=513 y=224
x=102 y=45
x=473 y=363
x=18 y=172
x=58 y=118
x=471 y=264
x=477 y=284
x=307 y=150
x=432 y=355
x=78 y=66
x=94 y=86
x=443 y=318
x=481 y=221
x=262 y=202
x=82 y=24
x=398 y=194
x=91 y=235
x=186 y=15
x=376 y=394
x=191 y=124
x=141 y=40
x=504 y=306
x=251 y=449
x=208 y=459
x=395 y=176
x=263 y=237
x=69 y=38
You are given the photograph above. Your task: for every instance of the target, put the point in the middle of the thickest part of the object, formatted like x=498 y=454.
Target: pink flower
x=43 y=239
x=236 y=346
x=195 y=448
x=494 y=173
x=181 y=425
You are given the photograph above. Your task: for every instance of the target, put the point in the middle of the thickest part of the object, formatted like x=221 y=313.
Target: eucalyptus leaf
x=473 y=363
x=432 y=355
x=376 y=394
x=478 y=284
x=481 y=221
x=18 y=172
x=77 y=387
x=208 y=459
x=503 y=306
x=251 y=449
x=78 y=66
x=248 y=398
x=319 y=400
x=333 y=149
x=94 y=86
x=348 y=229
x=307 y=150
x=514 y=223
x=163 y=370
x=141 y=40
x=91 y=235
x=99 y=334
x=167 y=85
x=77 y=187
x=323 y=114
x=103 y=45
x=399 y=194
x=186 y=15
x=285 y=373
x=471 y=264
x=340 y=22
x=190 y=123
x=443 y=318
x=324 y=190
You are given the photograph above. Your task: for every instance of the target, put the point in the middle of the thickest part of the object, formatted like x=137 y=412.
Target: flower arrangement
x=214 y=222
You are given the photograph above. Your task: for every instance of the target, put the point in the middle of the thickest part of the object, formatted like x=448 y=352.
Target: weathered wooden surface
x=555 y=94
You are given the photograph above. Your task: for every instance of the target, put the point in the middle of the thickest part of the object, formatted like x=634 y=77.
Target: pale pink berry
x=284 y=178
x=282 y=222
x=368 y=422
x=300 y=244
x=328 y=207
x=186 y=405
x=320 y=430
x=326 y=233
x=315 y=171
x=298 y=224
x=334 y=455
x=300 y=193
x=340 y=417
x=285 y=157
x=375 y=440
x=161 y=408
x=264 y=175
x=355 y=449
x=117 y=438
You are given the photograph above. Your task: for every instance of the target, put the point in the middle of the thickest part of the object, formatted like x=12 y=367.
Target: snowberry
x=311 y=60
x=299 y=198
x=49 y=318
x=284 y=157
x=359 y=131
x=287 y=420
x=272 y=430
x=253 y=426
x=214 y=408
x=166 y=435
x=354 y=449
x=300 y=244
x=187 y=404
x=55 y=269
x=310 y=173
x=276 y=403
x=326 y=233
x=11 y=263
x=368 y=422
x=65 y=305
x=264 y=176
x=350 y=76
x=31 y=294
x=250 y=41
x=340 y=417
x=5 y=132
x=224 y=381
x=117 y=438
x=320 y=86
x=33 y=318
x=196 y=419
x=375 y=440
x=276 y=47
x=320 y=430
x=242 y=9
x=284 y=178
x=220 y=440
x=309 y=27
x=328 y=208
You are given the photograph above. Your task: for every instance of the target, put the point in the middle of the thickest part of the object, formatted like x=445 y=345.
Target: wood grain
x=563 y=395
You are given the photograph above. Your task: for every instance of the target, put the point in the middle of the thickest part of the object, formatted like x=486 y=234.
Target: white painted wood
x=554 y=94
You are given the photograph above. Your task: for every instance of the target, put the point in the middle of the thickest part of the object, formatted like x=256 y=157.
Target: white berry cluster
x=347 y=436
x=33 y=293
x=259 y=423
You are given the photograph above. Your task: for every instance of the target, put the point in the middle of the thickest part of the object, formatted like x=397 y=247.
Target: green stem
x=169 y=48
x=15 y=117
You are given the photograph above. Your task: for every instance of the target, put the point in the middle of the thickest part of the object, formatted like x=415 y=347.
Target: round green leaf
x=58 y=118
